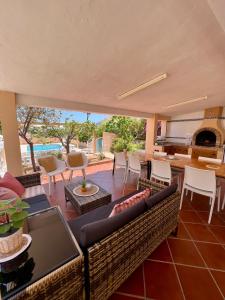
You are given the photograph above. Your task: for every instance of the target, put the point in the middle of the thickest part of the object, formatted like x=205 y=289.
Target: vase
x=11 y=243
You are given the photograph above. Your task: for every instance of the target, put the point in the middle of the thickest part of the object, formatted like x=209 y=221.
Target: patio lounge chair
x=76 y=161
x=51 y=166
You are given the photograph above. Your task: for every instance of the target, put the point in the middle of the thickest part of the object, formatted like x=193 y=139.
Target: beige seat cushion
x=75 y=160
x=48 y=163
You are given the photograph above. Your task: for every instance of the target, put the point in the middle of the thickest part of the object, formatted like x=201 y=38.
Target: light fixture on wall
x=187 y=102
x=143 y=86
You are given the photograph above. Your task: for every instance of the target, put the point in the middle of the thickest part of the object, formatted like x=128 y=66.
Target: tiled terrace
x=191 y=266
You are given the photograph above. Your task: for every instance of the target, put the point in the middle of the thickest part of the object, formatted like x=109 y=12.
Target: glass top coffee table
x=84 y=204
x=51 y=266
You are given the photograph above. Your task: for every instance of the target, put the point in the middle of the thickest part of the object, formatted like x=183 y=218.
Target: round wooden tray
x=90 y=192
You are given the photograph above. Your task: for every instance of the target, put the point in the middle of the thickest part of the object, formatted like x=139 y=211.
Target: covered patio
x=153 y=226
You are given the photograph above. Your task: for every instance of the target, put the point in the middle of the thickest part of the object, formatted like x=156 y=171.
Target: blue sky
x=82 y=117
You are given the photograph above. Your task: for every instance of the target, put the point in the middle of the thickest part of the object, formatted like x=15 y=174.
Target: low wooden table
x=51 y=268
x=87 y=203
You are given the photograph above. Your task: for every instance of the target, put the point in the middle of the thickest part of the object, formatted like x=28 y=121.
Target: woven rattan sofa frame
x=30 y=179
x=65 y=283
x=111 y=261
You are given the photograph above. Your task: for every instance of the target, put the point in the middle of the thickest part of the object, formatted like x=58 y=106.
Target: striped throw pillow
x=118 y=208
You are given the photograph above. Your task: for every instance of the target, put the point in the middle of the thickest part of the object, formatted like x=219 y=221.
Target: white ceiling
x=90 y=51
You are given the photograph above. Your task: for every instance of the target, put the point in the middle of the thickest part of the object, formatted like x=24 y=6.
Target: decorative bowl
x=171 y=156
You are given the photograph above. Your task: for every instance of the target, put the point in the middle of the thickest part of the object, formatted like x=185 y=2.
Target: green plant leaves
x=5 y=228
x=18 y=216
x=12 y=214
x=18 y=224
x=22 y=205
x=11 y=211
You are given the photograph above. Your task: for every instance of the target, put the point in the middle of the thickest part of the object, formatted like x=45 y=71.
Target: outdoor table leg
x=114 y=161
x=149 y=166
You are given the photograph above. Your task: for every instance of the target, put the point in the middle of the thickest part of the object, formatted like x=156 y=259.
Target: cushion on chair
x=33 y=191
x=141 y=196
x=75 y=160
x=6 y=194
x=10 y=182
x=161 y=195
x=48 y=163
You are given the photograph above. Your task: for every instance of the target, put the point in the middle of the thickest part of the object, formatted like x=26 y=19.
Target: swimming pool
x=46 y=147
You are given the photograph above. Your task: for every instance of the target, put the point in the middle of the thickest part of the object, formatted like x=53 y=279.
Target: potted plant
x=12 y=215
x=83 y=186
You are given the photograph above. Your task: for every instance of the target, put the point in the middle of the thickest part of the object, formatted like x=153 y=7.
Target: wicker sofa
x=35 y=195
x=110 y=260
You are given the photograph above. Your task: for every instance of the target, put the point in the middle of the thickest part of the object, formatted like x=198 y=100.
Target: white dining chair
x=133 y=166
x=161 y=171
x=141 y=154
x=180 y=172
x=180 y=155
x=202 y=182
x=216 y=161
x=223 y=205
x=81 y=167
x=159 y=154
x=120 y=161
x=60 y=168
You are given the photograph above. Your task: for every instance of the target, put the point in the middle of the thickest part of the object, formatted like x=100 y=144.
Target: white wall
x=187 y=125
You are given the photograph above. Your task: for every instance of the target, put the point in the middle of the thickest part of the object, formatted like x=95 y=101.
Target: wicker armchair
x=112 y=260
x=29 y=179
x=36 y=197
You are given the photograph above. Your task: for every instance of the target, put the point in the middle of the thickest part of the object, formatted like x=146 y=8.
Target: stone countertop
x=172 y=144
x=204 y=147
x=189 y=146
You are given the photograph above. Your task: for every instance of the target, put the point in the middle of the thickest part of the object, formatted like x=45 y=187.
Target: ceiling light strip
x=187 y=102
x=143 y=86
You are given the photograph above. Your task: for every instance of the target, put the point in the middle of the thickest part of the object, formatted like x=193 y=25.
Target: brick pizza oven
x=210 y=135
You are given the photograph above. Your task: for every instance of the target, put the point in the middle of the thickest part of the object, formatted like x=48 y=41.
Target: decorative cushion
x=161 y=195
x=118 y=208
x=33 y=191
x=10 y=182
x=75 y=160
x=6 y=193
x=95 y=231
x=48 y=163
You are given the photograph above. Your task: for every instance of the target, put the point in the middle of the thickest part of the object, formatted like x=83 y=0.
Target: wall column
x=10 y=132
x=151 y=131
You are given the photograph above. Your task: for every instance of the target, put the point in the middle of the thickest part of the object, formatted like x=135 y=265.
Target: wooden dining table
x=180 y=163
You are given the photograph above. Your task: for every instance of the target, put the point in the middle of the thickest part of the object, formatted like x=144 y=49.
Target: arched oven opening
x=206 y=138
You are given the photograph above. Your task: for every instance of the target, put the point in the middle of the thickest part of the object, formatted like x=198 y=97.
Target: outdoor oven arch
x=213 y=134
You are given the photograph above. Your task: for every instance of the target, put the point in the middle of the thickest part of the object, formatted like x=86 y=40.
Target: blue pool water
x=45 y=147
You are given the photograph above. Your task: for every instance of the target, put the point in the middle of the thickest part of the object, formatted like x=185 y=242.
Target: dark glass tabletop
x=52 y=246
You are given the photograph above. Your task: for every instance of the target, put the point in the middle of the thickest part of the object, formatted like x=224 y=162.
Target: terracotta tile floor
x=190 y=266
